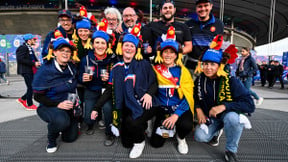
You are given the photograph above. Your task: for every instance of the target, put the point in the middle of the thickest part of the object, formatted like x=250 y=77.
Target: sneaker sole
x=218 y=138
x=21 y=104
x=52 y=151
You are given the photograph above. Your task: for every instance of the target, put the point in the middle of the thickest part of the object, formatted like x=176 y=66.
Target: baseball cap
x=203 y=1
x=64 y=13
x=28 y=36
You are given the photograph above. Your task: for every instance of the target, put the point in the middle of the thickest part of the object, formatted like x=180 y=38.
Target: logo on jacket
x=212 y=29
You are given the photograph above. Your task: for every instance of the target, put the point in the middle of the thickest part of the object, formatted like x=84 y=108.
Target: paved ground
x=23 y=135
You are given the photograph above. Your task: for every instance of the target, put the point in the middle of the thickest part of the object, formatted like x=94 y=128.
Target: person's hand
x=86 y=77
x=216 y=110
x=170 y=121
x=37 y=64
x=105 y=77
x=94 y=115
x=66 y=105
x=119 y=29
x=149 y=49
x=200 y=116
x=147 y=101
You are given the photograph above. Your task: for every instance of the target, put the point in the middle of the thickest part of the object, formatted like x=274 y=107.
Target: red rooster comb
x=83 y=11
x=217 y=42
x=103 y=25
x=171 y=33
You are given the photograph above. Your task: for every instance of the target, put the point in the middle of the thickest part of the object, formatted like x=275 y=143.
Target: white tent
x=275 y=48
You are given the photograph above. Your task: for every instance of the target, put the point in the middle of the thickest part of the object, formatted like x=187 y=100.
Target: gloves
x=115 y=130
x=244 y=120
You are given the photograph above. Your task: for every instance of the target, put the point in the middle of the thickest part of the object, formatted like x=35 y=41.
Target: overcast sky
x=276 y=48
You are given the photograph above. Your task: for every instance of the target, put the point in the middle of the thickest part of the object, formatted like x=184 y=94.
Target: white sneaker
x=182 y=146
x=137 y=150
x=259 y=101
x=51 y=149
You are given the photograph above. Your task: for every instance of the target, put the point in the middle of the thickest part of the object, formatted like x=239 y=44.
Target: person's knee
x=232 y=119
x=156 y=141
x=107 y=108
x=61 y=122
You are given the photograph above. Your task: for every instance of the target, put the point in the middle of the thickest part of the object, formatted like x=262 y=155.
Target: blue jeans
x=232 y=128
x=90 y=99
x=107 y=111
x=247 y=83
x=59 y=120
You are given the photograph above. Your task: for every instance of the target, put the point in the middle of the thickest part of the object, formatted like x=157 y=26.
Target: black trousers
x=280 y=79
x=133 y=130
x=263 y=79
x=28 y=78
x=184 y=126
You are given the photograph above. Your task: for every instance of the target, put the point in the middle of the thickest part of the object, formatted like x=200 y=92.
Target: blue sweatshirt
x=206 y=93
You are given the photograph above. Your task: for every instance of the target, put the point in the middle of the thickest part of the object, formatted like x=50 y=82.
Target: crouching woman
x=52 y=84
x=175 y=93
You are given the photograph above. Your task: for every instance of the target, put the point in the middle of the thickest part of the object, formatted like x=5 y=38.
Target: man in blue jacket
x=220 y=102
x=64 y=30
x=27 y=63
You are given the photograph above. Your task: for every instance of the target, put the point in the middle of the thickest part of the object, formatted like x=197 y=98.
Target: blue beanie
x=169 y=43
x=101 y=34
x=131 y=38
x=61 y=42
x=28 y=36
x=212 y=55
x=84 y=23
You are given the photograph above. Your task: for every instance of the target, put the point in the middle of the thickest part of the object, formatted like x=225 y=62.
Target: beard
x=167 y=19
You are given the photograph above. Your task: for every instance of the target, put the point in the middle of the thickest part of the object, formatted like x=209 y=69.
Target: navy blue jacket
x=242 y=101
x=131 y=84
x=250 y=67
x=25 y=61
x=96 y=83
x=55 y=83
x=48 y=38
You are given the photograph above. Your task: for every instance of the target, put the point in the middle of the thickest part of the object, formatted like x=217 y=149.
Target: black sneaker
x=215 y=140
x=101 y=124
x=230 y=156
x=90 y=130
x=109 y=141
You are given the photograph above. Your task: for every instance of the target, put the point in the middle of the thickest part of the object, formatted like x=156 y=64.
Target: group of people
x=106 y=68
x=271 y=72
x=2 y=72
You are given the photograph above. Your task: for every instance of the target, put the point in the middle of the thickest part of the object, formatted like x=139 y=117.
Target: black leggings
x=133 y=130
x=183 y=125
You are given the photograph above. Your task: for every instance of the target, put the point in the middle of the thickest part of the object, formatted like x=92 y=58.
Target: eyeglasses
x=112 y=19
x=65 y=20
x=65 y=51
x=126 y=16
